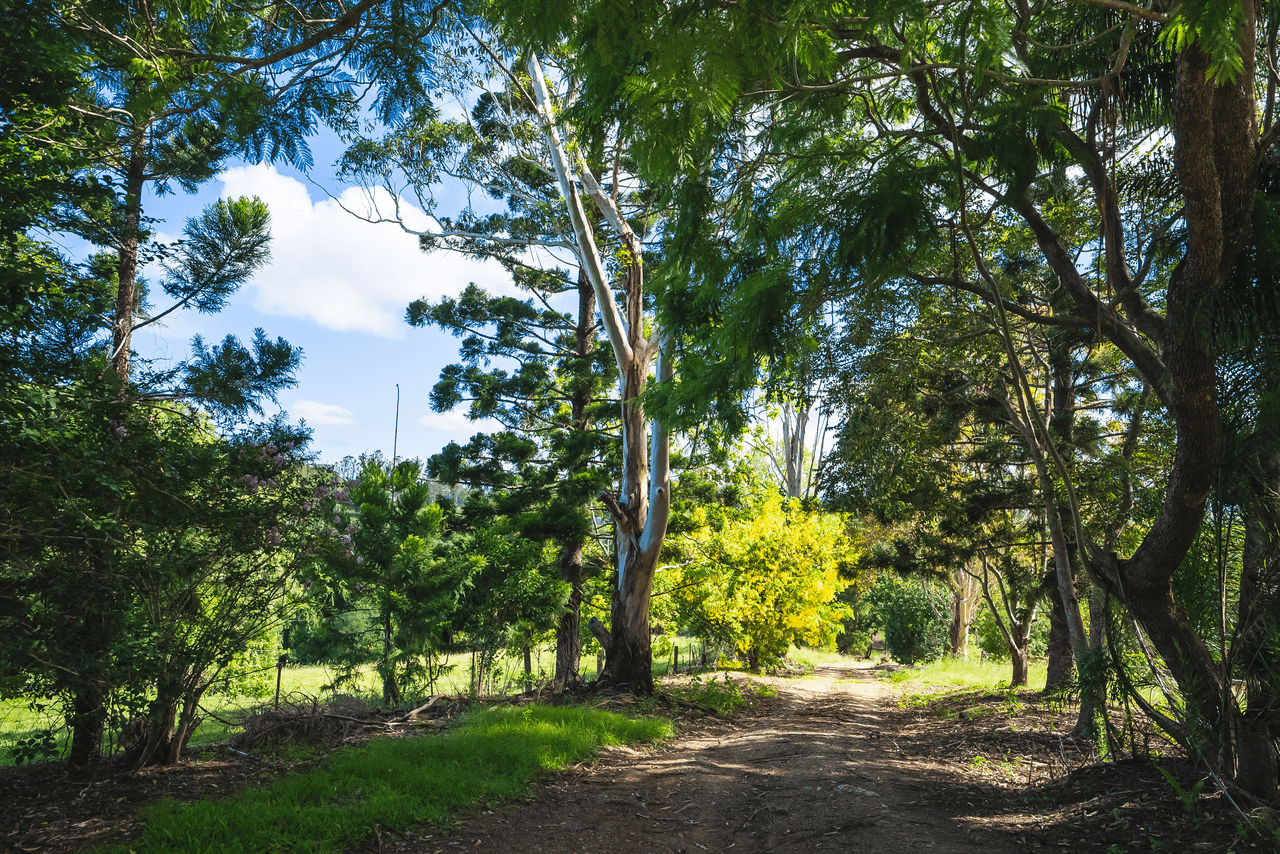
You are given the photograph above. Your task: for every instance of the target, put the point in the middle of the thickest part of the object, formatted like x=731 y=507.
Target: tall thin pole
x=395 y=439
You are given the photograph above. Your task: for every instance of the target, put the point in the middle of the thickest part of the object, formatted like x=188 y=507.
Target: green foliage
x=766 y=580
x=722 y=695
x=914 y=616
x=389 y=565
x=395 y=783
x=38 y=747
x=1190 y=798
x=992 y=642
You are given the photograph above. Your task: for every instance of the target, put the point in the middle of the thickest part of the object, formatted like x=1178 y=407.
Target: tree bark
x=1061 y=657
x=88 y=719
x=390 y=691
x=640 y=525
x=641 y=509
x=1021 y=665
x=1259 y=619
x=568 y=630
x=963 y=600
x=127 y=252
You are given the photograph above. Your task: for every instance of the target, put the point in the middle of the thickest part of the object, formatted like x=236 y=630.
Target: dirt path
x=808 y=770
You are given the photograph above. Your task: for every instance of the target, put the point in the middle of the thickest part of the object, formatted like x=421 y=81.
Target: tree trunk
x=794 y=424
x=640 y=512
x=127 y=251
x=88 y=720
x=1259 y=620
x=156 y=733
x=964 y=591
x=568 y=630
x=958 y=631
x=188 y=720
x=528 y=664
x=1061 y=657
x=390 y=691
x=1021 y=665
x=90 y=689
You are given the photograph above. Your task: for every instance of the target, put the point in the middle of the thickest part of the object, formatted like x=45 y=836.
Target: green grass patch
x=956 y=673
x=394 y=783
x=811 y=658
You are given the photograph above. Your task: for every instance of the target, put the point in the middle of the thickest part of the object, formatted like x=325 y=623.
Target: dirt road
x=808 y=770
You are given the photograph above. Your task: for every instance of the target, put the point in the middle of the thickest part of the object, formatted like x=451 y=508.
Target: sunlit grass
x=958 y=673
x=394 y=783
x=810 y=657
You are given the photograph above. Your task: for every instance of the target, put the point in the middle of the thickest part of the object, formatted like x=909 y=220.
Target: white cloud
x=455 y=424
x=345 y=274
x=322 y=413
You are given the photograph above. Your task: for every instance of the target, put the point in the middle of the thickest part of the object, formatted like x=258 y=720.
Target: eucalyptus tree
x=554 y=451
x=518 y=145
x=859 y=123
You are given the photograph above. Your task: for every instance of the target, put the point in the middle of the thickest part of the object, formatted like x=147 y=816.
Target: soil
x=837 y=760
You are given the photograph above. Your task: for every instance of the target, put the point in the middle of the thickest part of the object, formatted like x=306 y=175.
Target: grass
x=957 y=673
x=19 y=721
x=814 y=657
x=394 y=783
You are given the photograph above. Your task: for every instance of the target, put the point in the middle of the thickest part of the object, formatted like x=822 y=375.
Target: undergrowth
x=722 y=695
x=393 y=783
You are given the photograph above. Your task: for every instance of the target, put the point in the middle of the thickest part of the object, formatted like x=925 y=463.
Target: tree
x=535 y=146
x=932 y=105
x=173 y=89
x=555 y=453
x=391 y=565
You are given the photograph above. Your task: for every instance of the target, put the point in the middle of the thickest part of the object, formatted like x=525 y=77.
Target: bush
x=915 y=618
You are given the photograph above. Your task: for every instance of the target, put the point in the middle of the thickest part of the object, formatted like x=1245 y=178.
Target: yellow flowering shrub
x=766 y=579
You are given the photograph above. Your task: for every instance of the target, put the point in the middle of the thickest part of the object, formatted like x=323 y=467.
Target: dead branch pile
x=307 y=721
x=343 y=718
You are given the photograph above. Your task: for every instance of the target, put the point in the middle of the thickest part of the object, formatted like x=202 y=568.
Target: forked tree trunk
x=1021 y=656
x=964 y=597
x=640 y=523
x=641 y=509
x=794 y=424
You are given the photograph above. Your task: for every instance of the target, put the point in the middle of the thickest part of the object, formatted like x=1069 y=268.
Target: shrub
x=915 y=618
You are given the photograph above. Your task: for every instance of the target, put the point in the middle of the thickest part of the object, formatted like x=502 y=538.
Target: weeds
x=720 y=695
x=1190 y=797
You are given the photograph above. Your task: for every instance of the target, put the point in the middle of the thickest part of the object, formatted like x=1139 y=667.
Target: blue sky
x=337 y=287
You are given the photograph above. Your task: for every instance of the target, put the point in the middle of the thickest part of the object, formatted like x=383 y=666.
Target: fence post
x=280 y=663
x=528 y=669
